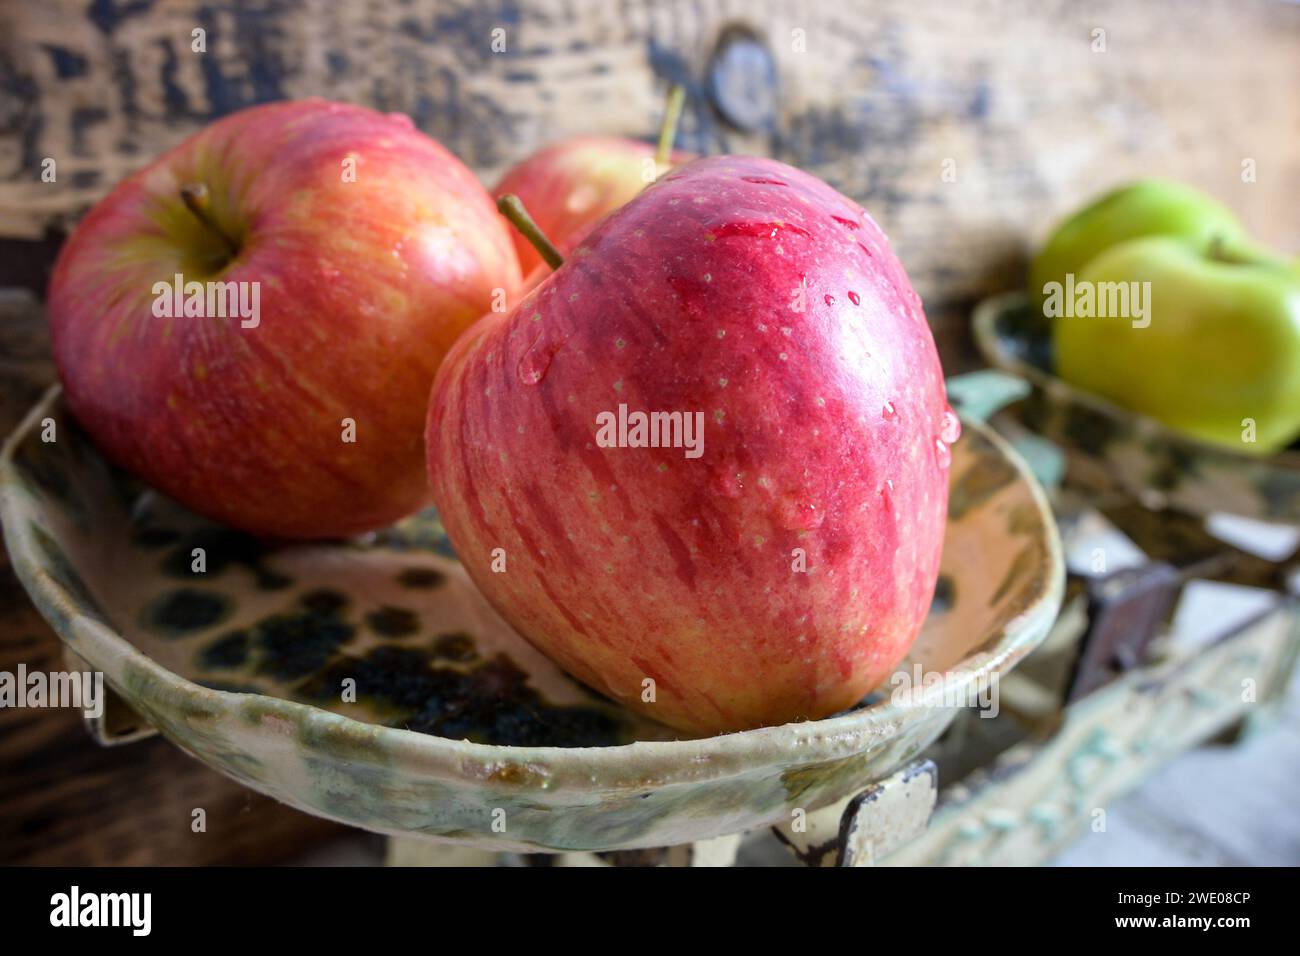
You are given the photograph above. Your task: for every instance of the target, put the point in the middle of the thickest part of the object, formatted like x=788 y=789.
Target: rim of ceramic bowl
x=637 y=763
x=990 y=344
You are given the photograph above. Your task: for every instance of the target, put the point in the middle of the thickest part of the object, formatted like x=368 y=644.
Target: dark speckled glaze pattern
x=457 y=727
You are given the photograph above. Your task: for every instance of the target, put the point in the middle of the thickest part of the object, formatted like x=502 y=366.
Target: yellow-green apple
x=704 y=464
x=1209 y=342
x=252 y=323
x=1147 y=207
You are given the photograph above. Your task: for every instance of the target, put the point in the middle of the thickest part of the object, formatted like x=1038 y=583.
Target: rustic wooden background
x=879 y=97
x=872 y=95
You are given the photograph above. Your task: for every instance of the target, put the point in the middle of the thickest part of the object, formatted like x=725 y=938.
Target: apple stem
x=513 y=209
x=199 y=201
x=668 y=128
x=1240 y=251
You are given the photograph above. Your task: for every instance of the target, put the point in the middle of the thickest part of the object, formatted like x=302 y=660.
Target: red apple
x=569 y=187
x=572 y=185
x=370 y=248
x=785 y=571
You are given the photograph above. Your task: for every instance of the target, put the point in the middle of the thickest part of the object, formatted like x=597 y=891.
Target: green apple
x=1147 y=207
x=1200 y=335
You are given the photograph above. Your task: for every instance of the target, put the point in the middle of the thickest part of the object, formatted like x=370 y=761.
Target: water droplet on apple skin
x=536 y=362
x=950 y=426
x=727 y=483
x=855 y=298
x=799 y=514
x=756 y=229
x=889 y=413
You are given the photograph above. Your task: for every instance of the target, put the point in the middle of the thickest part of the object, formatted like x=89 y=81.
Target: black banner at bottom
x=334 y=905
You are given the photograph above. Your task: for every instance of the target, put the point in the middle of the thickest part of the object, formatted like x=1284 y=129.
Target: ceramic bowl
x=458 y=730
x=1109 y=445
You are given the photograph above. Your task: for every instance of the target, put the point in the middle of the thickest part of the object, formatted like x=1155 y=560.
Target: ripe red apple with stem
x=570 y=186
x=367 y=249
x=776 y=571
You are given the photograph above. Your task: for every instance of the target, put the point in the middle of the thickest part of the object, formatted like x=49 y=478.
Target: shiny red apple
x=570 y=186
x=363 y=247
x=780 y=569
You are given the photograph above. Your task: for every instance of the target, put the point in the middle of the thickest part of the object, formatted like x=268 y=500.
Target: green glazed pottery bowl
x=368 y=682
x=1108 y=445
